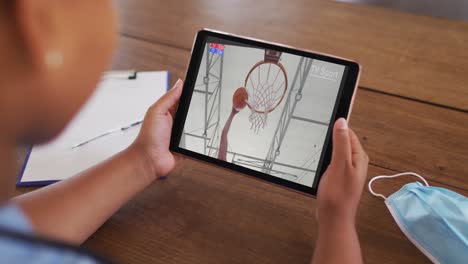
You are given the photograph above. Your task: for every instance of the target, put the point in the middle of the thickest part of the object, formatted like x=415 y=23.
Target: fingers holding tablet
x=341 y=154
x=342 y=183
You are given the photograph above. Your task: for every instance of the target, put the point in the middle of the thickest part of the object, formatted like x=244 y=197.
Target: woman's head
x=52 y=54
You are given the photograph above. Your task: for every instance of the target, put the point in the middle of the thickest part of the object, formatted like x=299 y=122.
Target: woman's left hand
x=155 y=134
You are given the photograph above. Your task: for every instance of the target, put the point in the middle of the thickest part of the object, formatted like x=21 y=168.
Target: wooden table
x=411 y=113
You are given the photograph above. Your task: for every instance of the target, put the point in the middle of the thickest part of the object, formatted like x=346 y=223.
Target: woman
x=53 y=53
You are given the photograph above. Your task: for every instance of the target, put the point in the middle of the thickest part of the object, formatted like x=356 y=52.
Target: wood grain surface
x=412 y=56
x=206 y=214
x=411 y=113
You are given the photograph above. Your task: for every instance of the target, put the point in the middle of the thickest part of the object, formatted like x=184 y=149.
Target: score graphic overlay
x=262 y=109
x=217 y=48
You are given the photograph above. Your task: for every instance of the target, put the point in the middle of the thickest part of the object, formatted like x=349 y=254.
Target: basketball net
x=262 y=102
x=266 y=95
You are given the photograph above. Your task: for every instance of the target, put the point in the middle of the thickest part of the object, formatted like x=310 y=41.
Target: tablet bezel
x=342 y=108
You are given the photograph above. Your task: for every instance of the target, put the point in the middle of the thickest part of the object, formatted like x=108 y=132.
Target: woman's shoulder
x=18 y=244
x=12 y=218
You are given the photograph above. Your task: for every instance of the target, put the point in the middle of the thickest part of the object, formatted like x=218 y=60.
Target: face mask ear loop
x=369 y=185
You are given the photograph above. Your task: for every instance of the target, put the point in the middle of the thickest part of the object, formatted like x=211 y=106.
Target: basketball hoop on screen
x=266 y=84
x=264 y=89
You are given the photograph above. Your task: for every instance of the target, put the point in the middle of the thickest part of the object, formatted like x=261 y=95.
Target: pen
x=132 y=125
x=107 y=133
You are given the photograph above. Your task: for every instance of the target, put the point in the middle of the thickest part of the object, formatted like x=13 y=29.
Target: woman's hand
x=155 y=134
x=341 y=186
x=338 y=198
x=109 y=185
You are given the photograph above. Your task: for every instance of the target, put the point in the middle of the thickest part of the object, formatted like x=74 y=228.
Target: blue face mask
x=434 y=219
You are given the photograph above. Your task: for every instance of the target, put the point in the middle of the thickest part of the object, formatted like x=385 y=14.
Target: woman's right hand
x=341 y=186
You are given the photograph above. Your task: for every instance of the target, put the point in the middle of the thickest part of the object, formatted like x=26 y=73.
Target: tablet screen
x=262 y=109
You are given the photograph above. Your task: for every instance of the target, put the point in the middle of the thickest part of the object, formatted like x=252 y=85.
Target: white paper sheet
x=116 y=103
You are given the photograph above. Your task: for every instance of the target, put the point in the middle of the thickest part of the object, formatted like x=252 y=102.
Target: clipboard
x=106 y=124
